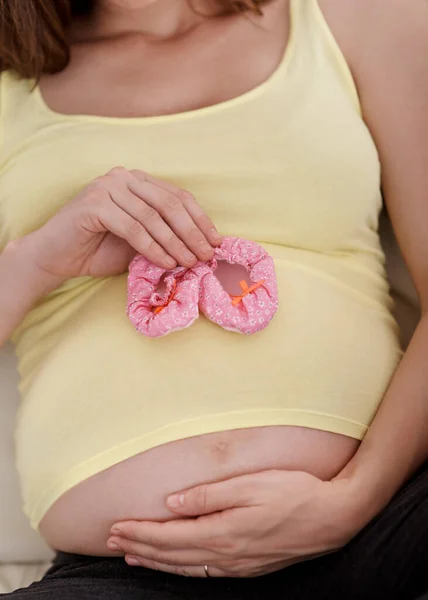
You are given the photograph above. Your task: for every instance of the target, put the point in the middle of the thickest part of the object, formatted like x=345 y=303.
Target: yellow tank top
x=290 y=165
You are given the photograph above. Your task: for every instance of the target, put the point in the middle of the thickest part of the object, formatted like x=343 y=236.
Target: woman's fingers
x=155 y=226
x=166 y=221
x=180 y=557
x=202 y=227
x=172 y=211
x=206 y=532
x=241 y=571
x=202 y=220
x=209 y=498
x=119 y=222
x=183 y=571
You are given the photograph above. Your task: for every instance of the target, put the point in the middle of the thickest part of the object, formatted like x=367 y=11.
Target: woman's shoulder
x=361 y=12
x=366 y=25
x=379 y=37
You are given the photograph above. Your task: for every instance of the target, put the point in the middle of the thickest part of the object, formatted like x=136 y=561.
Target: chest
x=136 y=77
x=267 y=170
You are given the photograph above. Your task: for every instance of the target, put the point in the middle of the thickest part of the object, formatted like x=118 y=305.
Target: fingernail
x=176 y=501
x=171 y=263
x=205 y=248
x=189 y=255
x=115 y=531
x=215 y=235
x=112 y=546
x=132 y=562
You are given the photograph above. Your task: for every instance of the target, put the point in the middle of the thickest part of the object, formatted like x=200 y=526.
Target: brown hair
x=33 y=34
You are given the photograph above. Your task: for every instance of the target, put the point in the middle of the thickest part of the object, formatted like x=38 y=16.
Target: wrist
x=367 y=492
x=345 y=515
x=37 y=281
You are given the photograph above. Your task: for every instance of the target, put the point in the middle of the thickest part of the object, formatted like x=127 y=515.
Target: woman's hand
x=244 y=527
x=117 y=215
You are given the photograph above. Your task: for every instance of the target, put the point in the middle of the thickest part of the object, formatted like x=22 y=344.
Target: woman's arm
x=397 y=441
x=98 y=232
x=391 y=69
x=22 y=283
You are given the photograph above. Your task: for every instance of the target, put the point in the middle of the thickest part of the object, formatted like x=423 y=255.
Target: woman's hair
x=33 y=33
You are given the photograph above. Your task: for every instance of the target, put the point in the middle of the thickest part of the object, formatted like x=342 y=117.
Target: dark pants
x=388 y=560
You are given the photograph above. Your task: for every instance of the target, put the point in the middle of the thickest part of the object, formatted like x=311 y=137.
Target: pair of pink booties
x=189 y=290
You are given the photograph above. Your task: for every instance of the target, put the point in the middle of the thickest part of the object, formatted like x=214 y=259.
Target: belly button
x=221 y=450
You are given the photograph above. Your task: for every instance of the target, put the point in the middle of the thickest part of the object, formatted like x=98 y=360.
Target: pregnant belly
x=137 y=488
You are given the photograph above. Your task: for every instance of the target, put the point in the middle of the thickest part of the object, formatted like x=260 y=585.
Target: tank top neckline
x=197 y=112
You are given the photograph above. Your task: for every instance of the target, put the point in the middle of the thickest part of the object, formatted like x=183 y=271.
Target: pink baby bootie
x=156 y=313
x=252 y=310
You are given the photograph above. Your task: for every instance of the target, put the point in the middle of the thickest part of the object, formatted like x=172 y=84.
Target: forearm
x=22 y=283
x=397 y=441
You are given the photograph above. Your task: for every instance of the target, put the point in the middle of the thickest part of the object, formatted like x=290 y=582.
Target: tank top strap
x=13 y=89
x=18 y=109
x=315 y=48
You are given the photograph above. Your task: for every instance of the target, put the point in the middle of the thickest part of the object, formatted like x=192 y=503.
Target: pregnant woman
x=134 y=126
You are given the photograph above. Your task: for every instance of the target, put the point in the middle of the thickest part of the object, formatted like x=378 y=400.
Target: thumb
x=213 y=497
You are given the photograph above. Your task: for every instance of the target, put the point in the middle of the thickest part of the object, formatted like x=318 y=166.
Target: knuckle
x=141 y=175
x=232 y=547
x=127 y=546
x=183 y=250
x=132 y=535
x=204 y=222
x=135 y=229
x=93 y=197
x=201 y=497
x=174 y=241
x=212 y=542
x=221 y=544
x=96 y=195
x=163 y=545
x=196 y=235
x=185 y=196
x=148 y=213
x=160 y=543
x=154 y=250
x=241 y=547
x=100 y=184
x=172 y=202
x=159 y=556
x=117 y=172
x=149 y=540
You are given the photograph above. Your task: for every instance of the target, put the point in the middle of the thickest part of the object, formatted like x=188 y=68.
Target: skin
x=294 y=516
x=259 y=523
